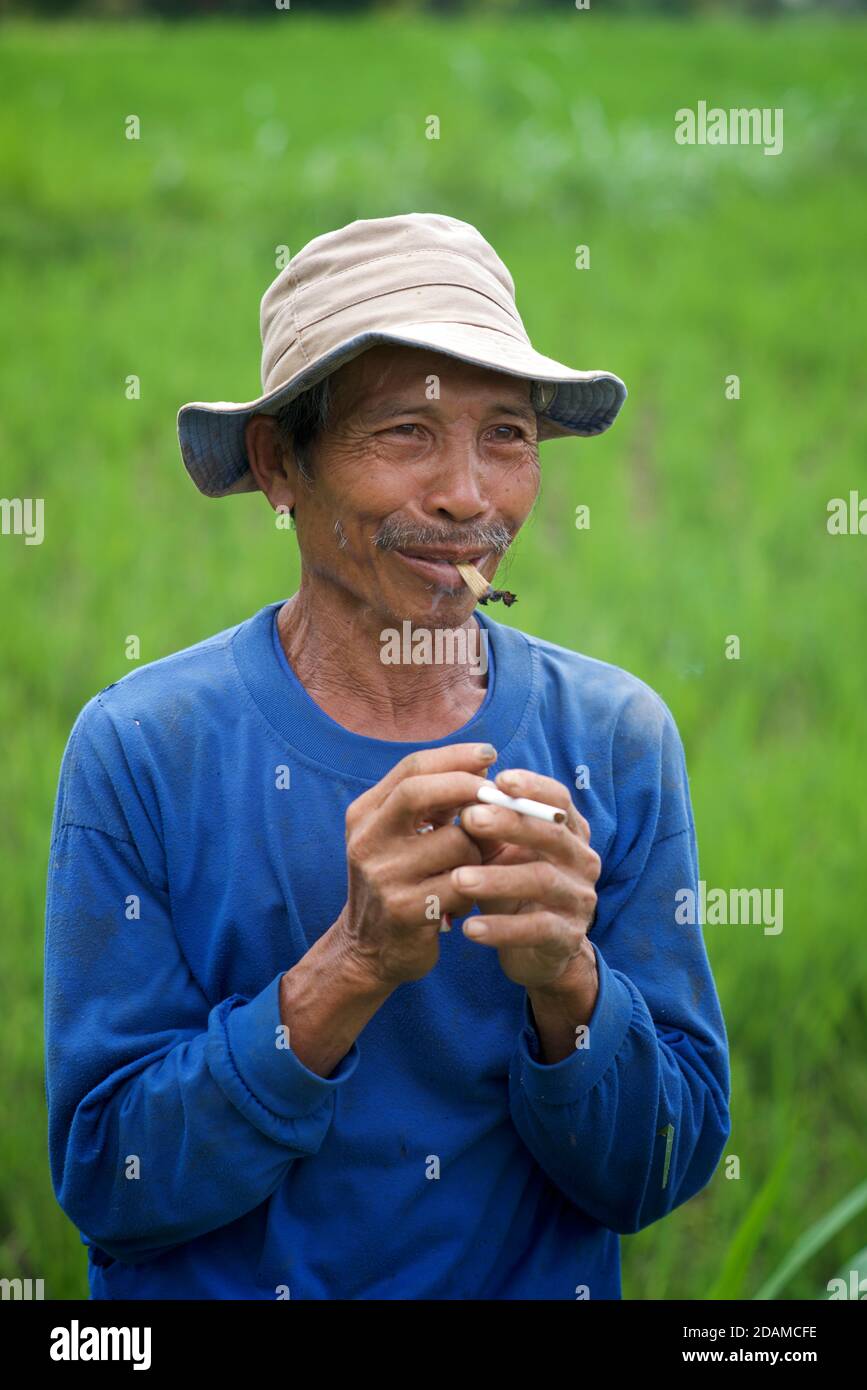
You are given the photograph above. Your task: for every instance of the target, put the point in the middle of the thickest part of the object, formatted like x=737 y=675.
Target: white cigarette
x=539 y=810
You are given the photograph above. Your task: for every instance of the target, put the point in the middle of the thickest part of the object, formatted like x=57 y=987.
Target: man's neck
x=335 y=650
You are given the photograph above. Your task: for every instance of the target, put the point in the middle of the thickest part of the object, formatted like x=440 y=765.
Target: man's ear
x=275 y=475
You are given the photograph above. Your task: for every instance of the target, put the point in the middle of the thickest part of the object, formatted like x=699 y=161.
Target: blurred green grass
x=707 y=515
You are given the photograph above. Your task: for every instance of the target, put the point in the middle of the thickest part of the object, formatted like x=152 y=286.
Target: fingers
x=426 y=797
x=452 y=900
x=440 y=851
x=455 y=757
x=538 y=882
x=410 y=904
x=542 y=930
x=560 y=844
x=517 y=781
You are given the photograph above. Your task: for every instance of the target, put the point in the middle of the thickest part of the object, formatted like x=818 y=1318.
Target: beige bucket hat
x=420 y=279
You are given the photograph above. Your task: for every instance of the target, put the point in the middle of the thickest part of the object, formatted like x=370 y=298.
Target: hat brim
x=211 y=434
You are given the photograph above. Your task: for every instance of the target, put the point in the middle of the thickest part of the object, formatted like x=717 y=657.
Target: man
x=297 y=1048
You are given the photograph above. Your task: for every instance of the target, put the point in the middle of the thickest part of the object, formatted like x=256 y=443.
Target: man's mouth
x=438 y=563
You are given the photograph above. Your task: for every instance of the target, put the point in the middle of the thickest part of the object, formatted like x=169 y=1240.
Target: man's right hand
x=386 y=925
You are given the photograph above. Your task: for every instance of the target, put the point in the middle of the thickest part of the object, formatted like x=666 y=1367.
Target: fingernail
x=508 y=779
x=474 y=927
x=467 y=878
x=477 y=815
x=486 y=752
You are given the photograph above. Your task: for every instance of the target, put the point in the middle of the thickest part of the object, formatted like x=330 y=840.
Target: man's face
x=398 y=474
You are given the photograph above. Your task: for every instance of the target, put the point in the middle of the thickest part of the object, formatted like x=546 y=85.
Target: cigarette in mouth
x=481 y=589
x=538 y=810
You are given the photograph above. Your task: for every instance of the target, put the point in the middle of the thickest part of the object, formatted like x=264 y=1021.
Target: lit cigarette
x=539 y=810
x=480 y=587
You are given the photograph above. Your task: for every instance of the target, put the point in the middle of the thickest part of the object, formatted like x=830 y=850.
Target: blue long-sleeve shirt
x=198 y=851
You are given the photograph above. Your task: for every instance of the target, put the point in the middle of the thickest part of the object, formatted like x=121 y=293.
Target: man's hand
x=535 y=885
x=387 y=927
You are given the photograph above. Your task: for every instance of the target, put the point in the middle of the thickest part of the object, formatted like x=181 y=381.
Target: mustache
x=396 y=535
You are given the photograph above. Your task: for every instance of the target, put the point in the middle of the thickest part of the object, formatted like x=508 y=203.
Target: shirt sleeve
x=634 y=1122
x=169 y=1115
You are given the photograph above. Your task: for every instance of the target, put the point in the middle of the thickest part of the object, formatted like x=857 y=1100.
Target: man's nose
x=457 y=483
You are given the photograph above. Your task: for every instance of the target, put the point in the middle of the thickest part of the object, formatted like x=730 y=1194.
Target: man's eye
x=512 y=432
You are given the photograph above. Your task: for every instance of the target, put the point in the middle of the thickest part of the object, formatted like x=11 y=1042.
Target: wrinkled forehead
x=416 y=375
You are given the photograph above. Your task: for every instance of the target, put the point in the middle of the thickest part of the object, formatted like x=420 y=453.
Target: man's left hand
x=535 y=886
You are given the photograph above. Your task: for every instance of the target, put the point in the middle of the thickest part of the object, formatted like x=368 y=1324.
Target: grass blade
x=814 y=1238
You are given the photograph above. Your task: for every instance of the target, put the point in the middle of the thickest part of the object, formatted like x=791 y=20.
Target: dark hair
x=299 y=424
